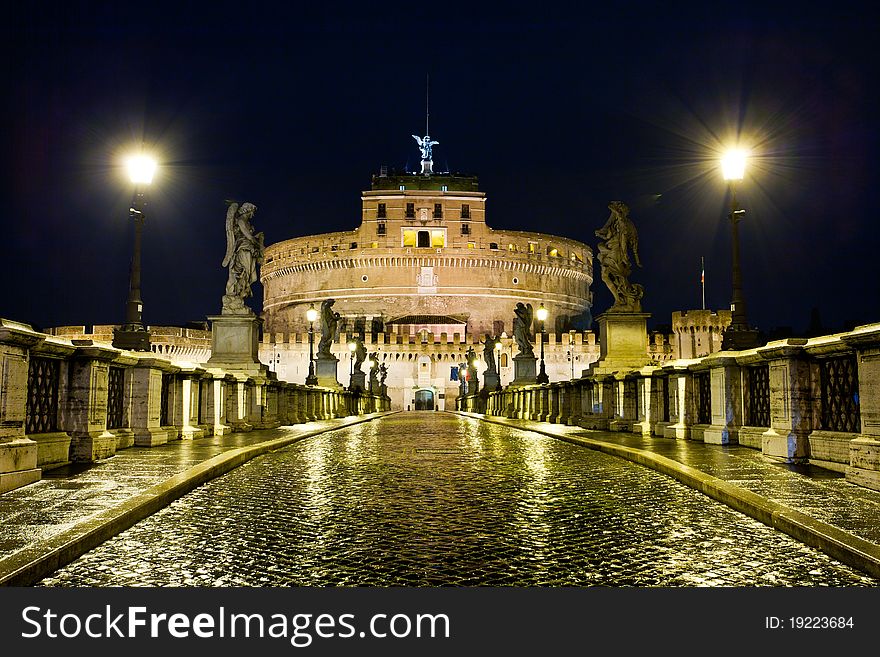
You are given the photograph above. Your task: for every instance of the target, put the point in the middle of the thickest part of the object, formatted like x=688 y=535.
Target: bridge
x=238 y=481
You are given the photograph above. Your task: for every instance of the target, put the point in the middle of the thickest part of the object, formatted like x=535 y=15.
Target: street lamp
x=738 y=335
x=572 y=358
x=352 y=345
x=542 y=317
x=370 y=365
x=133 y=335
x=311 y=315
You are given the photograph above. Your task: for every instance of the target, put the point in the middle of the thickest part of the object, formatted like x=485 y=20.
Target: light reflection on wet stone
x=421 y=499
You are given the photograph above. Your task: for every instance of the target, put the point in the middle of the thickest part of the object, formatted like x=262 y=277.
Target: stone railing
x=797 y=400
x=81 y=400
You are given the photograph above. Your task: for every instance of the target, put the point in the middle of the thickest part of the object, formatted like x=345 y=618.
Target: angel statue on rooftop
x=425 y=144
x=244 y=253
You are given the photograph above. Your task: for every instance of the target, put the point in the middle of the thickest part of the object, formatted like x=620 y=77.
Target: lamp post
x=311 y=315
x=738 y=335
x=370 y=365
x=351 y=347
x=133 y=335
x=572 y=358
x=542 y=317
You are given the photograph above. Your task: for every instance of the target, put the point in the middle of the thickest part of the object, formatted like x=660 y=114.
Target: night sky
x=558 y=113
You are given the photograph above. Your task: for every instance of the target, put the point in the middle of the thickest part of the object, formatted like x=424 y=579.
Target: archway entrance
x=424 y=400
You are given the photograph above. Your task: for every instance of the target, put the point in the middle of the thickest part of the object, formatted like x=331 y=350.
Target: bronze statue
x=244 y=253
x=329 y=321
x=620 y=237
x=522 y=327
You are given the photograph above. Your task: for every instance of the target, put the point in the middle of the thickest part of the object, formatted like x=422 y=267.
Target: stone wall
x=797 y=400
x=64 y=400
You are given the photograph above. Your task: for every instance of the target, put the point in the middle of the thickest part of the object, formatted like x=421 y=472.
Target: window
x=493 y=246
x=380 y=228
x=411 y=210
x=438 y=211
x=438 y=238
x=380 y=213
x=424 y=239
x=503 y=360
x=409 y=237
x=444 y=188
x=402 y=187
x=354 y=245
x=465 y=229
x=512 y=247
x=335 y=247
x=533 y=247
x=465 y=211
x=552 y=252
x=472 y=245
x=374 y=245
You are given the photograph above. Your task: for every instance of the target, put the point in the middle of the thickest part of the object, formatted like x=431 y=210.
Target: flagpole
x=703 y=279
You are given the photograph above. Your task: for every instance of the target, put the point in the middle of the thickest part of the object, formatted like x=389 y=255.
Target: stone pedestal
x=491 y=381
x=623 y=342
x=18 y=454
x=145 y=406
x=725 y=380
x=325 y=368
x=525 y=370
x=791 y=397
x=87 y=403
x=235 y=341
x=358 y=381
x=864 y=451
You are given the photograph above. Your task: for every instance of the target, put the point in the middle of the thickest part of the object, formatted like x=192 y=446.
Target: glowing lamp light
x=542 y=313
x=733 y=164
x=352 y=346
x=311 y=314
x=141 y=169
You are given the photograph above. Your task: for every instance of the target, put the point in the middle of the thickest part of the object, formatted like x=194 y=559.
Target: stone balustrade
x=797 y=400
x=64 y=400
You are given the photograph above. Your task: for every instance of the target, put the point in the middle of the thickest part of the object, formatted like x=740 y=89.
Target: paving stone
x=444 y=500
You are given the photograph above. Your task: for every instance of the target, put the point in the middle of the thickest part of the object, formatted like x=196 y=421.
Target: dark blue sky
x=557 y=112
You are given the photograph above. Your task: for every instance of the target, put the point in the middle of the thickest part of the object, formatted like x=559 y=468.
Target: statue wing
x=230 y=233
x=418 y=139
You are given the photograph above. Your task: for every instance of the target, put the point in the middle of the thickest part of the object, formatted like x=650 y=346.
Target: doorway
x=424 y=400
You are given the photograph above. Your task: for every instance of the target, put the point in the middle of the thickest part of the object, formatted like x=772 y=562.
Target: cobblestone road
x=430 y=499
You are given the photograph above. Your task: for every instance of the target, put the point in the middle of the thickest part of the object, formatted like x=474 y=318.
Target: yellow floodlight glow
x=542 y=313
x=141 y=169
x=733 y=164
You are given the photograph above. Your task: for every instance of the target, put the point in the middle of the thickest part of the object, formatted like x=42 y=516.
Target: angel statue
x=329 y=321
x=244 y=252
x=374 y=371
x=489 y=354
x=522 y=327
x=360 y=353
x=620 y=237
x=425 y=143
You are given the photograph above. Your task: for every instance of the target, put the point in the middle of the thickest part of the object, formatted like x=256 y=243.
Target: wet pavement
x=441 y=499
